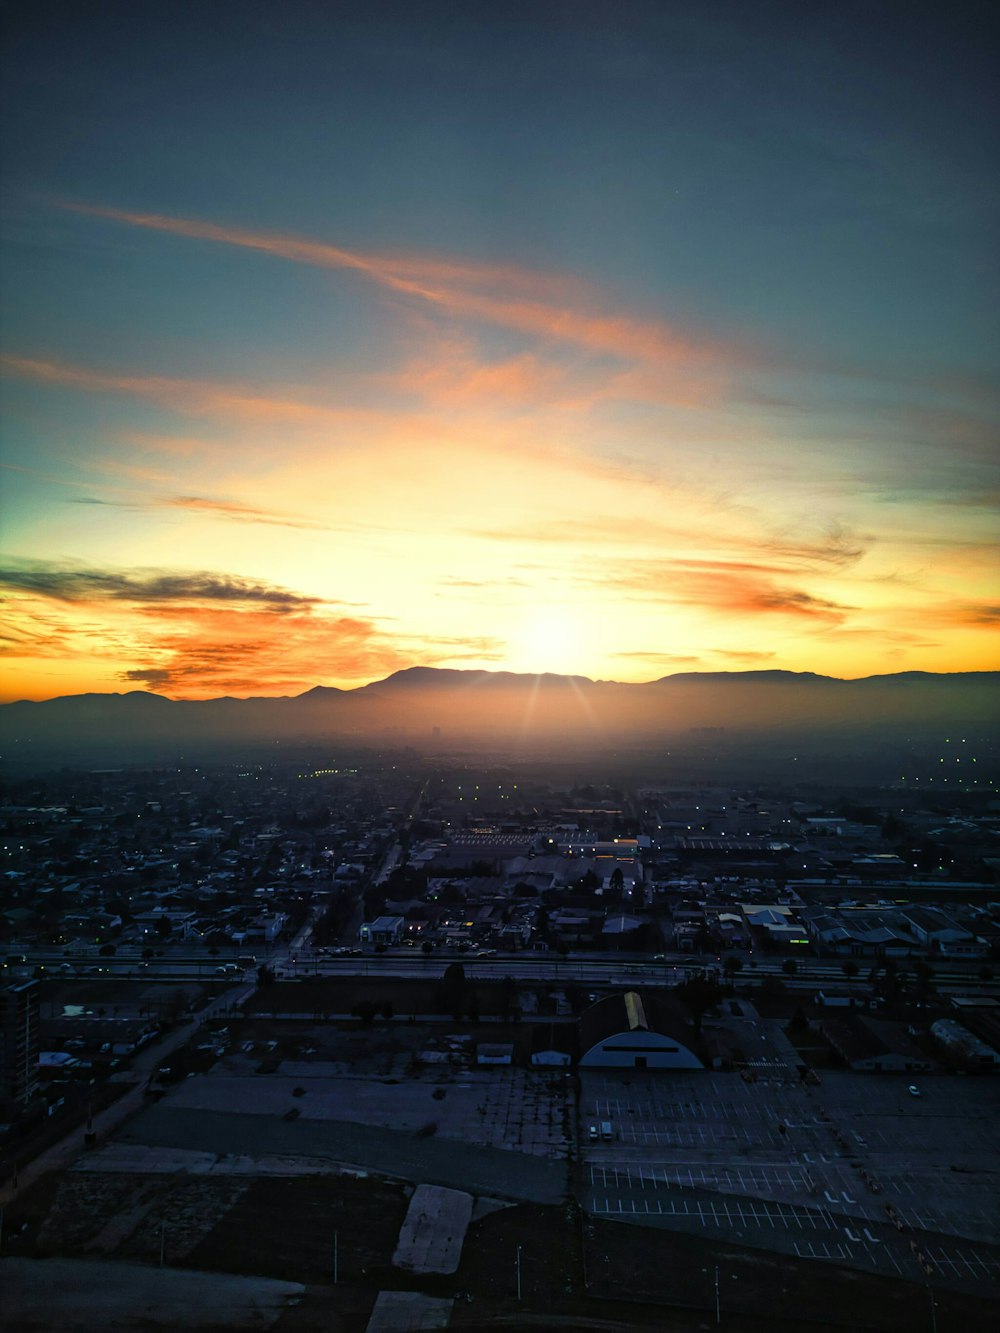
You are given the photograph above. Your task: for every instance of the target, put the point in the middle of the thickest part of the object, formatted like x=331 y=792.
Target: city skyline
x=568 y=339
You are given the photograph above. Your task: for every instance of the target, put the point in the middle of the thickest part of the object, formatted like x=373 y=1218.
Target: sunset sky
x=618 y=339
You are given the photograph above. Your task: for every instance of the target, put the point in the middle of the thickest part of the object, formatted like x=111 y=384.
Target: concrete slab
x=143 y=1160
x=77 y=1296
x=433 y=1231
x=408 y=1312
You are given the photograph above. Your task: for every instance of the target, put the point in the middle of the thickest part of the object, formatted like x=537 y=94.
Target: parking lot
x=856 y=1171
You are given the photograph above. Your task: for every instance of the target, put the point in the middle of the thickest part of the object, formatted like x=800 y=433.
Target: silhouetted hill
x=510 y=709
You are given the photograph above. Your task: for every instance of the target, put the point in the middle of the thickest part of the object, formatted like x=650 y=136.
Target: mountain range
x=429 y=706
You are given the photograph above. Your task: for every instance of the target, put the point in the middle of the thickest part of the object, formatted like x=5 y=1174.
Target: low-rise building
x=383 y=930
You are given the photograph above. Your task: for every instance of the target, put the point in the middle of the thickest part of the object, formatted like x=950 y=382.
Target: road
x=300 y=959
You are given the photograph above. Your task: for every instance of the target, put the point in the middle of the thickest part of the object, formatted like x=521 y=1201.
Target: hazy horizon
x=749 y=673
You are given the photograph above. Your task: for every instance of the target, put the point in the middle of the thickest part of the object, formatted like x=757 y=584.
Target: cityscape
x=476 y=1029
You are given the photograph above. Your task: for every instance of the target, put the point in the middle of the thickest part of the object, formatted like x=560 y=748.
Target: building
x=616 y=1033
x=963 y=1047
x=869 y=1044
x=383 y=930
x=19 y=1048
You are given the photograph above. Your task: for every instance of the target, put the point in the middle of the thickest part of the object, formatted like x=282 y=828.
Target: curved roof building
x=619 y=1033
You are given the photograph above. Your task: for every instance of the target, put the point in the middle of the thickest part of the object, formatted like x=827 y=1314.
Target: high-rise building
x=18 y=1047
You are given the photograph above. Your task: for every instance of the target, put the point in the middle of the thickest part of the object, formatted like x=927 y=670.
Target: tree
x=790 y=967
x=849 y=968
x=924 y=976
x=427 y=947
x=730 y=967
x=508 y=994
x=366 y=1011
x=452 y=991
x=163 y=927
x=617 y=884
x=265 y=976
x=699 y=994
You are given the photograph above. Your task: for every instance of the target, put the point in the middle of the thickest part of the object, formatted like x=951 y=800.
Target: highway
x=299 y=959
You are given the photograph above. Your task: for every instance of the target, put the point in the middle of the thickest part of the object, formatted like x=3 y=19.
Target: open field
x=580 y=1272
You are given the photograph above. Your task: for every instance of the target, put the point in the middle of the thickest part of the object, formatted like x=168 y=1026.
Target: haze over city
x=617 y=341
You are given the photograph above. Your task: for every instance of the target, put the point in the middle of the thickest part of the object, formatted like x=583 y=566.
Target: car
x=593 y=1133
x=913 y=1090
x=292 y=1114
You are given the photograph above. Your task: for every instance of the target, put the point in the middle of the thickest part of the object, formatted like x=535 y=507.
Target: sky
x=616 y=339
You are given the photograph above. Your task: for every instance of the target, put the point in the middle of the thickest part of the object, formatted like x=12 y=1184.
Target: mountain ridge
x=409 y=677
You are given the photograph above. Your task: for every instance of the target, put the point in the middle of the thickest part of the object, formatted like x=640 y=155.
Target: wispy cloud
x=744 y=655
x=730 y=588
x=68 y=584
x=199 y=504
x=540 y=305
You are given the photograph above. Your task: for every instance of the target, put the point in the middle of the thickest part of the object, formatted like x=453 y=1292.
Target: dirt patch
x=135 y=1216
x=679 y=1270
x=285 y=1227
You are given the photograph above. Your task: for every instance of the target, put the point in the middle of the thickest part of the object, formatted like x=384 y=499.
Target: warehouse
x=626 y=1032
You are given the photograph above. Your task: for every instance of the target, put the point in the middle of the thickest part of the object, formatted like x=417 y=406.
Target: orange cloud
x=200 y=634
x=731 y=588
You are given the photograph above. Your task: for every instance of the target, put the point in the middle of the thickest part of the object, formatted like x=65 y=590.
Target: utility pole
x=163 y=1241
x=335 y=1259
x=930 y=1293
x=517 y=1265
x=718 y=1300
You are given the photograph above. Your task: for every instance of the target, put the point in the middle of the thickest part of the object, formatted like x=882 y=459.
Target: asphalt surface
x=478 y=1170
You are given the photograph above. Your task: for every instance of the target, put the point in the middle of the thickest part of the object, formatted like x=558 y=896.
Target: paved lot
x=407 y=1156
x=501 y=1107
x=855 y=1171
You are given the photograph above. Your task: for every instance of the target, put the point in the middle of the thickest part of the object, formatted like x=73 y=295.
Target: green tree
x=849 y=968
x=730 y=968
x=617 y=883
x=790 y=967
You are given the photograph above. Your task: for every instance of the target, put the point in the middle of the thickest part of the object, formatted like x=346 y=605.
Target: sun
x=550 y=639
